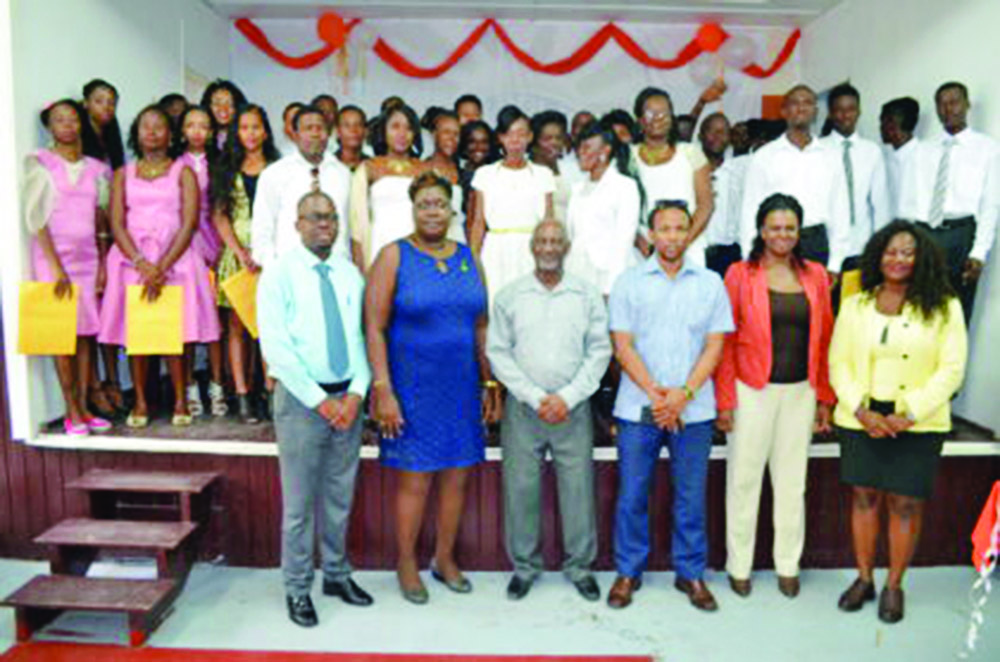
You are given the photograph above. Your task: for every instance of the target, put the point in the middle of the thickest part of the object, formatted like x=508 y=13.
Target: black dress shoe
x=459 y=585
x=890 y=605
x=518 y=587
x=348 y=591
x=789 y=586
x=301 y=611
x=588 y=588
x=856 y=595
x=741 y=587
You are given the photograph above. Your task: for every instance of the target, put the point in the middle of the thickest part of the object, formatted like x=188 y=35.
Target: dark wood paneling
x=247 y=523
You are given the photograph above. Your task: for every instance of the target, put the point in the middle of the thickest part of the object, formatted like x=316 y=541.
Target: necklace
x=397 y=166
x=152 y=170
x=654 y=155
x=436 y=254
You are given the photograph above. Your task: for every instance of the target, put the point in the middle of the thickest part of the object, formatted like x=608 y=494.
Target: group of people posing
x=495 y=281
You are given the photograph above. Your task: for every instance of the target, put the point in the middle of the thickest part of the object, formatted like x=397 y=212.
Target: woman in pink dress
x=154 y=214
x=198 y=153
x=62 y=195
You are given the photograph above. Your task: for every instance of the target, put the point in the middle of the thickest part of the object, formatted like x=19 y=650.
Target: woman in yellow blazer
x=897 y=357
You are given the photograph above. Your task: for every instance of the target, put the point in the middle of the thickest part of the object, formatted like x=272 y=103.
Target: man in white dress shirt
x=863 y=167
x=723 y=231
x=965 y=195
x=897 y=123
x=798 y=164
x=283 y=183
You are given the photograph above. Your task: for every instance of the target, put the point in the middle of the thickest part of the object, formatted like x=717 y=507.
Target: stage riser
x=247 y=522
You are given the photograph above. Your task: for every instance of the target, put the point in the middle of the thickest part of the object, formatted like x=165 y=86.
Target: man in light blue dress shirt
x=668 y=321
x=309 y=305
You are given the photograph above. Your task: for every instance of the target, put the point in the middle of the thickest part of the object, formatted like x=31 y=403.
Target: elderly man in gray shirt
x=548 y=342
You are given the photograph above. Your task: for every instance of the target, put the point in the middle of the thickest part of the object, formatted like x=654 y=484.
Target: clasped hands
x=340 y=413
x=667 y=405
x=879 y=426
x=553 y=409
x=153 y=278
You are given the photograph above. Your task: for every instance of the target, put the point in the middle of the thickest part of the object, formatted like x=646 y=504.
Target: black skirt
x=906 y=465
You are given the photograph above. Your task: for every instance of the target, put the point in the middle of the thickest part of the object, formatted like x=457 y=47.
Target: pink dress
x=206 y=241
x=72 y=227
x=153 y=217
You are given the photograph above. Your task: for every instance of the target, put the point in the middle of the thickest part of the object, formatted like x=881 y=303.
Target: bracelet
x=380 y=382
x=688 y=393
x=103 y=235
x=491 y=383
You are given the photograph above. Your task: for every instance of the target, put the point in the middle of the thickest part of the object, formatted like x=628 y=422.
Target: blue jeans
x=638 y=449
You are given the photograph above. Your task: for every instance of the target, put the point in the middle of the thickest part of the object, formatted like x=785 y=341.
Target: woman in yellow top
x=897 y=357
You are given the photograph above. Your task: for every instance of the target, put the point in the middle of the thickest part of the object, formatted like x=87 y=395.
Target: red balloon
x=331 y=29
x=710 y=37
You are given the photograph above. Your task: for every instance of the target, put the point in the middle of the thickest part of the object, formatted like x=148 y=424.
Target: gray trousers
x=318 y=467
x=525 y=439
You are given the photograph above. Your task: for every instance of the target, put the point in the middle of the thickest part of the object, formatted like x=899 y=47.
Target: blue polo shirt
x=669 y=319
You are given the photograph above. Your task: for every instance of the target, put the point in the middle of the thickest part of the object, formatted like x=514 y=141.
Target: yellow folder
x=47 y=325
x=241 y=289
x=850 y=283
x=154 y=327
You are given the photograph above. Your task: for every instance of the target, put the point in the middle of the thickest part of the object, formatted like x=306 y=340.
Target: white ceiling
x=767 y=12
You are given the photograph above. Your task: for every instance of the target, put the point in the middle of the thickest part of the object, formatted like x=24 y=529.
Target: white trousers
x=772 y=428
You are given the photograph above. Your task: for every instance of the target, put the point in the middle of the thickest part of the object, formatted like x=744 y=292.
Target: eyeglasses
x=656 y=114
x=319 y=218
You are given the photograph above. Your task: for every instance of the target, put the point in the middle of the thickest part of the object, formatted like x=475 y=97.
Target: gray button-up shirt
x=544 y=341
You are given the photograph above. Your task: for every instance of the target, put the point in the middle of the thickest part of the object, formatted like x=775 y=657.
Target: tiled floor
x=236 y=608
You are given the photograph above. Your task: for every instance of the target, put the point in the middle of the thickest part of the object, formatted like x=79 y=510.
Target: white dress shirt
x=901 y=168
x=810 y=177
x=973 y=183
x=602 y=219
x=724 y=224
x=292 y=324
x=871 y=191
x=275 y=209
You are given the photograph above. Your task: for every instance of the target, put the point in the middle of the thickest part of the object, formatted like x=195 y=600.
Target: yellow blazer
x=932 y=357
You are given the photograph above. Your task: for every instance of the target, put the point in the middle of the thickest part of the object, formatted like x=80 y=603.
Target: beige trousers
x=772 y=428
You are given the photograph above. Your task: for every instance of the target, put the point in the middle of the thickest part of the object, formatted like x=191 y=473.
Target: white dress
x=391 y=210
x=673 y=180
x=513 y=204
x=603 y=218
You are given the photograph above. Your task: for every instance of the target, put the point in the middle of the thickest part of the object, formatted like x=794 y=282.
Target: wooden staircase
x=162 y=514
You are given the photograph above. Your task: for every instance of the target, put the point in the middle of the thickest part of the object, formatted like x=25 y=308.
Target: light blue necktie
x=336 y=341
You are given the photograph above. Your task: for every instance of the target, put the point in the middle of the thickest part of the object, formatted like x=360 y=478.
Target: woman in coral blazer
x=772 y=389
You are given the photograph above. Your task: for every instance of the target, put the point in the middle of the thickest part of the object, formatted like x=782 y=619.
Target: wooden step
x=42 y=599
x=114 y=492
x=76 y=542
x=164 y=482
x=117 y=534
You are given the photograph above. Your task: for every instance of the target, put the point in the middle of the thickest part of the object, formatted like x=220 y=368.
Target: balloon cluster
x=720 y=50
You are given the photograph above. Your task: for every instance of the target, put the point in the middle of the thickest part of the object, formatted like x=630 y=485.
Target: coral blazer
x=747 y=352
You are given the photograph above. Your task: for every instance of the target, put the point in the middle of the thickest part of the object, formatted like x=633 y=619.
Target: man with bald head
x=800 y=165
x=548 y=343
x=309 y=313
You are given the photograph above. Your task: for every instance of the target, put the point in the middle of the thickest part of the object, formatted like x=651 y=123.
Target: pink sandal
x=98 y=424
x=75 y=429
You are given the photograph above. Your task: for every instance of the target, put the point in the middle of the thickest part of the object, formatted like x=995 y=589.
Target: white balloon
x=738 y=51
x=704 y=69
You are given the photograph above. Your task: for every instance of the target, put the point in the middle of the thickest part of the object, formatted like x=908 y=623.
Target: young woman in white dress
x=380 y=207
x=511 y=197
x=671 y=170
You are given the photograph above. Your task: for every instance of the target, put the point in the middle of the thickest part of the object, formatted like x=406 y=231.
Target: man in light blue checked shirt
x=309 y=305
x=668 y=321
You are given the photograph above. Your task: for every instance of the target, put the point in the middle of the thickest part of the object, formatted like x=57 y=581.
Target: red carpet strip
x=58 y=652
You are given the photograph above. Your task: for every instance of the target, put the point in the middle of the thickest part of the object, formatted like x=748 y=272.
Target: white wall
x=143 y=47
x=893 y=48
